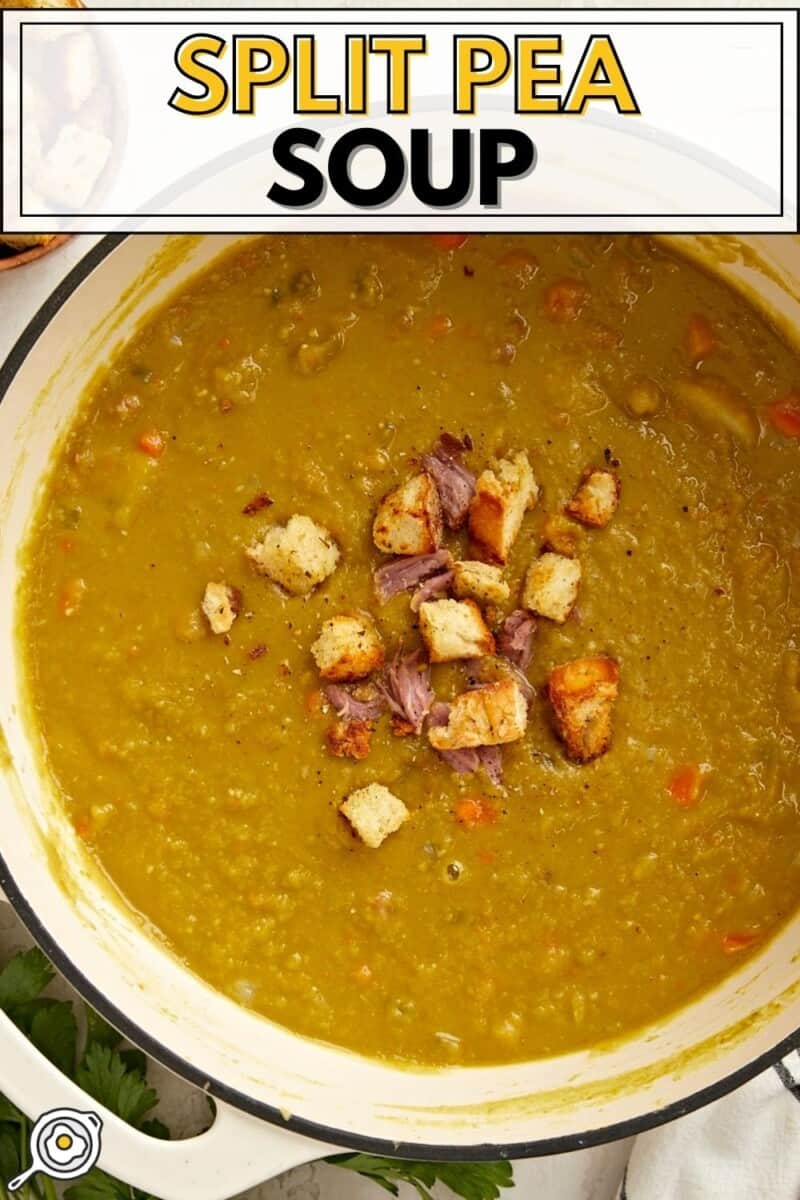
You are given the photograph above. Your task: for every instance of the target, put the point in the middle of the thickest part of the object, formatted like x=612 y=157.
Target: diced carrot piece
x=67 y=544
x=224 y=343
x=314 y=702
x=700 y=341
x=565 y=299
x=733 y=943
x=487 y=857
x=439 y=326
x=473 y=811
x=71 y=597
x=449 y=241
x=685 y=784
x=784 y=415
x=152 y=442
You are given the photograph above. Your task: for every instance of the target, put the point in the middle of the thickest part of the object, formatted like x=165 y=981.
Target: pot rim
x=479 y=1152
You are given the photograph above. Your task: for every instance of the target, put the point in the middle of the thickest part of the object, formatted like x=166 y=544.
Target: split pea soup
x=595 y=857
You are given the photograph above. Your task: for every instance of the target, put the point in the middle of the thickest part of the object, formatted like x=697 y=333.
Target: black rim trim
x=481 y=1151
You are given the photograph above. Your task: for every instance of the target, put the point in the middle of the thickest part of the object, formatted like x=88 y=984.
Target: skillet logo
x=64 y=1144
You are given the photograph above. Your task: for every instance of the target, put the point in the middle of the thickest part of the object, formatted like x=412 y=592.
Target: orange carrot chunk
x=700 y=342
x=474 y=811
x=449 y=241
x=152 y=442
x=784 y=415
x=733 y=943
x=685 y=784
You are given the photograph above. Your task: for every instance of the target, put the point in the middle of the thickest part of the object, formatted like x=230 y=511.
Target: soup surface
x=569 y=903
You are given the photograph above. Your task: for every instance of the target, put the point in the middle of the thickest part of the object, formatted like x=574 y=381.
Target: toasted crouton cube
x=350 y=739
x=348 y=647
x=454 y=629
x=481 y=581
x=484 y=716
x=503 y=494
x=551 y=586
x=221 y=606
x=374 y=812
x=561 y=535
x=582 y=693
x=596 y=499
x=409 y=518
x=298 y=555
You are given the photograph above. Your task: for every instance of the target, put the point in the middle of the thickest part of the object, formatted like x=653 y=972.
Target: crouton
x=481 y=581
x=596 y=499
x=454 y=629
x=490 y=715
x=561 y=535
x=221 y=606
x=298 y=555
x=409 y=518
x=551 y=586
x=348 y=647
x=503 y=494
x=374 y=812
x=582 y=693
x=350 y=739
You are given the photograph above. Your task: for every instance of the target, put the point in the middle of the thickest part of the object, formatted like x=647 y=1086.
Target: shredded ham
x=432 y=589
x=525 y=685
x=492 y=762
x=407 y=689
x=351 y=709
x=515 y=639
x=463 y=762
x=455 y=484
x=403 y=574
x=470 y=759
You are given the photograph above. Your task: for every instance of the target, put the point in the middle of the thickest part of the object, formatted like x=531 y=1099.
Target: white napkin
x=743 y=1147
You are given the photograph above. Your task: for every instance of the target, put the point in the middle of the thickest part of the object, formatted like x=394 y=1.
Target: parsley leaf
x=99 y=1186
x=50 y=1025
x=104 y=1074
x=9 y=1155
x=9 y=1112
x=155 y=1129
x=471 y=1181
x=23 y=978
x=134 y=1061
x=98 y=1030
x=476 y=1181
x=55 y=1033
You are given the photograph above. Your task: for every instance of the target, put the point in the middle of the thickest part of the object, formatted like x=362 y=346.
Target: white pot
x=282 y=1095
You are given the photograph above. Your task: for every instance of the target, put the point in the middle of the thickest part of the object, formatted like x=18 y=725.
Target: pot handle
x=238 y=1151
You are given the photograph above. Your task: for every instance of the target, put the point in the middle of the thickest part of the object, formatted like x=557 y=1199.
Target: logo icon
x=64 y=1144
